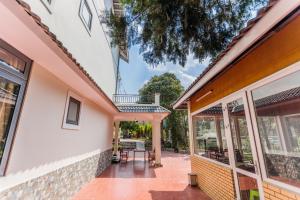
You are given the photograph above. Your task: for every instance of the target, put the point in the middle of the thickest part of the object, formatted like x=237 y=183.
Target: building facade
x=57 y=78
x=58 y=110
x=244 y=111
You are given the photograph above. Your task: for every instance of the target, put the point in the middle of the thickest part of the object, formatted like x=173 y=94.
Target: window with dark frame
x=14 y=68
x=48 y=4
x=86 y=15
x=73 y=111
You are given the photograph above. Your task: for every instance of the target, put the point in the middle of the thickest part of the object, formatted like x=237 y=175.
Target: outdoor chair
x=123 y=155
x=151 y=156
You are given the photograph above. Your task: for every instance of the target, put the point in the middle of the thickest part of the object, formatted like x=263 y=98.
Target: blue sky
x=136 y=73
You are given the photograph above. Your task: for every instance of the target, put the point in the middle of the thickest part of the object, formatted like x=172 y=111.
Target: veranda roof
x=256 y=28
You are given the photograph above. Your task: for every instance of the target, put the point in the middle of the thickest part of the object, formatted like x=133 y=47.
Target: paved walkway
x=137 y=181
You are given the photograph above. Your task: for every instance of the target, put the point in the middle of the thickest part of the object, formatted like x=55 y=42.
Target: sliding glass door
x=242 y=149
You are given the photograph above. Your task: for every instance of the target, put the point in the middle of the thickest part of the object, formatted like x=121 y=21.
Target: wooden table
x=139 y=150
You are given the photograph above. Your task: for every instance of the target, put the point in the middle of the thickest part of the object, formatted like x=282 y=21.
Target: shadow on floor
x=131 y=169
x=189 y=193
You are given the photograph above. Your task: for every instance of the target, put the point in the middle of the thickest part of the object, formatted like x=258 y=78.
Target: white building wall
x=40 y=138
x=91 y=49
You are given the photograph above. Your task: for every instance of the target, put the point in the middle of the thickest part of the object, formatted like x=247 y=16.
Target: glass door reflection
x=243 y=150
x=240 y=136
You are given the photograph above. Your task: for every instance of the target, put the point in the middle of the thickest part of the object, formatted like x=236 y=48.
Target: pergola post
x=153 y=138
x=190 y=122
x=157 y=139
x=116 y=146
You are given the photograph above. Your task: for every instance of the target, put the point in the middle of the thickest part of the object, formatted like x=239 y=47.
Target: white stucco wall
x=92 y=50
x=40 y=138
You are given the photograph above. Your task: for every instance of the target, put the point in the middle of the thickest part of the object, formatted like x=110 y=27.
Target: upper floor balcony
x=134 y=99
x=133 y=103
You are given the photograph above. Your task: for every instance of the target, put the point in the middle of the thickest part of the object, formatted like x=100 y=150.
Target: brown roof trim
x=261 y=13
x=53 y=37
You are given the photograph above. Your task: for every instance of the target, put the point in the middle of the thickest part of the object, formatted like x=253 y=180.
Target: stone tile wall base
x=62 y=183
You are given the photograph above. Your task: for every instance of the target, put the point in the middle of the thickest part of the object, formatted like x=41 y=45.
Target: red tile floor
x=136 y=180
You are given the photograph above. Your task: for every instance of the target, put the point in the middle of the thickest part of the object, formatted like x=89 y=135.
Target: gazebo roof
x=142 y=109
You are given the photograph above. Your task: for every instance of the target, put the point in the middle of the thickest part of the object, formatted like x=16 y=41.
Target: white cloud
x=190 y=63
x=186 y=74
x=158 y=68
x=146 y=81
x=184 y=78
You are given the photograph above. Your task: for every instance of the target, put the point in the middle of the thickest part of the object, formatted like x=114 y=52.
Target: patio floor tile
x=136 y=180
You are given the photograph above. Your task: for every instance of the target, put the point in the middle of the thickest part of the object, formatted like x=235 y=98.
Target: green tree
x=169 y=30
x=170 y=89
x=128 y=128
x=136 y=129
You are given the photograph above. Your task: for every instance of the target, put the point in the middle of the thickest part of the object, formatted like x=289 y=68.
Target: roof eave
x=80 y=70
x=255 y=30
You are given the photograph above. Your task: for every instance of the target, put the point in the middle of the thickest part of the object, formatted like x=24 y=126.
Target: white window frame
x=257 y=175
x=284 y=127
x=66 y=125
x=281 y=134
x=248 y=89
x=82 y=3
x=226 y=135
x=232 y=165
x=276 y=76
x=48 y=6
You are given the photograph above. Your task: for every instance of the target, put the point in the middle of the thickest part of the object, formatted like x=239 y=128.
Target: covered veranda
x=152 y=113
x=137 y=179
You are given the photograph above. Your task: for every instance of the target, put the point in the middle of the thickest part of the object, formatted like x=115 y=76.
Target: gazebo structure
x=138 y=108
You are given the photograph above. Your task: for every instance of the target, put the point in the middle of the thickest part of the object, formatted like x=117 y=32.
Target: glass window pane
x=11 y=61
x=240 y=135
x=248 y=187
x=209 y=134
x=292 y=125
x=8 y=97
x=73 y=111
x=269 y=133
x=277 y=107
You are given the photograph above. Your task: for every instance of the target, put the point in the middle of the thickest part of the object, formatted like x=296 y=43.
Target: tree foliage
x=169 y=30
x=136 y=129
x=170 y=89
x=167 y=85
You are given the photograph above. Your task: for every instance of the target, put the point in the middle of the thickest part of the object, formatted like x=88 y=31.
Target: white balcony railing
x=135 y=99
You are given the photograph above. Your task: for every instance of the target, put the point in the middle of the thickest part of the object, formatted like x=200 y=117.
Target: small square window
x=48 y=5
x=86 y=15
x=72 y=111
